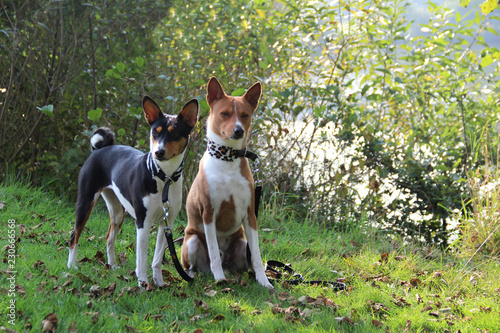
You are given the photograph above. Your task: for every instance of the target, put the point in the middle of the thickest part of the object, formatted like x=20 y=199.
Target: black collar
x=155 y=170
x=229 y=154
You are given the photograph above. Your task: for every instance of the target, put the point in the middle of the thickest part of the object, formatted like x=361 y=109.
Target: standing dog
x=133 y=181
x=221 y=200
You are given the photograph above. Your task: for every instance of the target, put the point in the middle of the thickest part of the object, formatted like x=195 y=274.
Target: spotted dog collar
x=228 y=154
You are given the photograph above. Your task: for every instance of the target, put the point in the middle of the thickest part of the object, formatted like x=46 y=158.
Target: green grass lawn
x=392 y=286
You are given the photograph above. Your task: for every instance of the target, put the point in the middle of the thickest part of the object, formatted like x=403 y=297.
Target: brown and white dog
x=220 y=204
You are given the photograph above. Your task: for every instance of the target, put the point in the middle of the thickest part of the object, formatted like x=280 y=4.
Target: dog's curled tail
x=102 y=137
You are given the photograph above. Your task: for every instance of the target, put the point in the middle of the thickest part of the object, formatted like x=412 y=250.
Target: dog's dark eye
x=244 y=116
x=224 y=114
x=155 y=134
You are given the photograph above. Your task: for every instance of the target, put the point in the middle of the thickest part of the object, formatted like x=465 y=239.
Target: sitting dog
x=133 y=181
x=221 y=200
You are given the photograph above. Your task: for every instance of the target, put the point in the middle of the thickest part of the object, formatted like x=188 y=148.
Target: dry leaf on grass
x=49 y=324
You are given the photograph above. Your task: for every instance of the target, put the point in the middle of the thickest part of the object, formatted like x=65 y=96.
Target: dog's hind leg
x=194 y=255
x=116 y=214
x=84 y=206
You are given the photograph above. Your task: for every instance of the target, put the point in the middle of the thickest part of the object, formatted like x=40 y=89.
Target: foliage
x=64 y=60
x=486 y=7
x=392 y=286
x=479 y=230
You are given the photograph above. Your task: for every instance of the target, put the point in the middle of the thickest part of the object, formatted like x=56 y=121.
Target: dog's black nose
x=238 y=132
x=160 y=153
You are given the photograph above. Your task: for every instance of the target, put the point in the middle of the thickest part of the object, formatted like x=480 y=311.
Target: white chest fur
x=225 y=182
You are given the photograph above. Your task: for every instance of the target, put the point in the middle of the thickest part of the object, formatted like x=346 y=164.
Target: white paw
x=265 y=282
x=190 y=273
x=159 y=281
x=219 y=276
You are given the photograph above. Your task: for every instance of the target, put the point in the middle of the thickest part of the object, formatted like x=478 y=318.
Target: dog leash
x=273 y=267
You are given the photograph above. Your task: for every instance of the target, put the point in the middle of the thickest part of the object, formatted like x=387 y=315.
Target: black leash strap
x=274 y=267
x=171 y=248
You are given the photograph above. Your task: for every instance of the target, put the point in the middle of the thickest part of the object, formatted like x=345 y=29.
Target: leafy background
x=361 y=122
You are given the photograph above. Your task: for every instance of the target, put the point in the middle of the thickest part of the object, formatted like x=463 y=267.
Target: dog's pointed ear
x=214 y=91
x=151 y=110
x=189 y=113
x=253 y=94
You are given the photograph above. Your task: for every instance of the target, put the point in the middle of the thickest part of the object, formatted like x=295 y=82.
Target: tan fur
x=174 y=148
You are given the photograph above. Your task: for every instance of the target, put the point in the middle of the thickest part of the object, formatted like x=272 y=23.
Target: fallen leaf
x=486 y=309
x=131 y=329
x=377 y=323
x=84 y=278
x=408 y=326
x=110 y=289
x=344 y=320
x=223 y=282
x=427 y=308
x=49 y=324
x=256 y=312
x=292 y=310
x=72 y=327
x=2 y=204
x=354 y=243
x=236 y=309
x=305 y=251
x=94 y=318
x=20 y=289
x=201 y=304
x=211 y=293
x=217 y=318
x=38 y=263
x=384 y=257
x=415 y=282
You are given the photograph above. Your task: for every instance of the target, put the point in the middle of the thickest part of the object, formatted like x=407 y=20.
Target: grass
x=392 y=286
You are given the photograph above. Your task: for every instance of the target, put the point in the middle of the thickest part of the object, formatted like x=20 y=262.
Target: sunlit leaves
x=488 y=6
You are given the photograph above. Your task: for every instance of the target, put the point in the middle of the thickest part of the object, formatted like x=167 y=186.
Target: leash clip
x=166 y=208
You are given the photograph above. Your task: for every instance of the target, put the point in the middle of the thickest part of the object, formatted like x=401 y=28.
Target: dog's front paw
x=145 y=285
x=72 y=266
x=159 y=281
x=265 y=282
x=219 y=276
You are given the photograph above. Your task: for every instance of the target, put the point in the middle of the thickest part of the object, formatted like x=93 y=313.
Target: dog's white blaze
x=238 y=122
x=95 y=139
x=213 y=251
x=127 y=205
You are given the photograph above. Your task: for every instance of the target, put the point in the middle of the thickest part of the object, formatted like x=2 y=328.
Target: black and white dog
x=133 y=181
